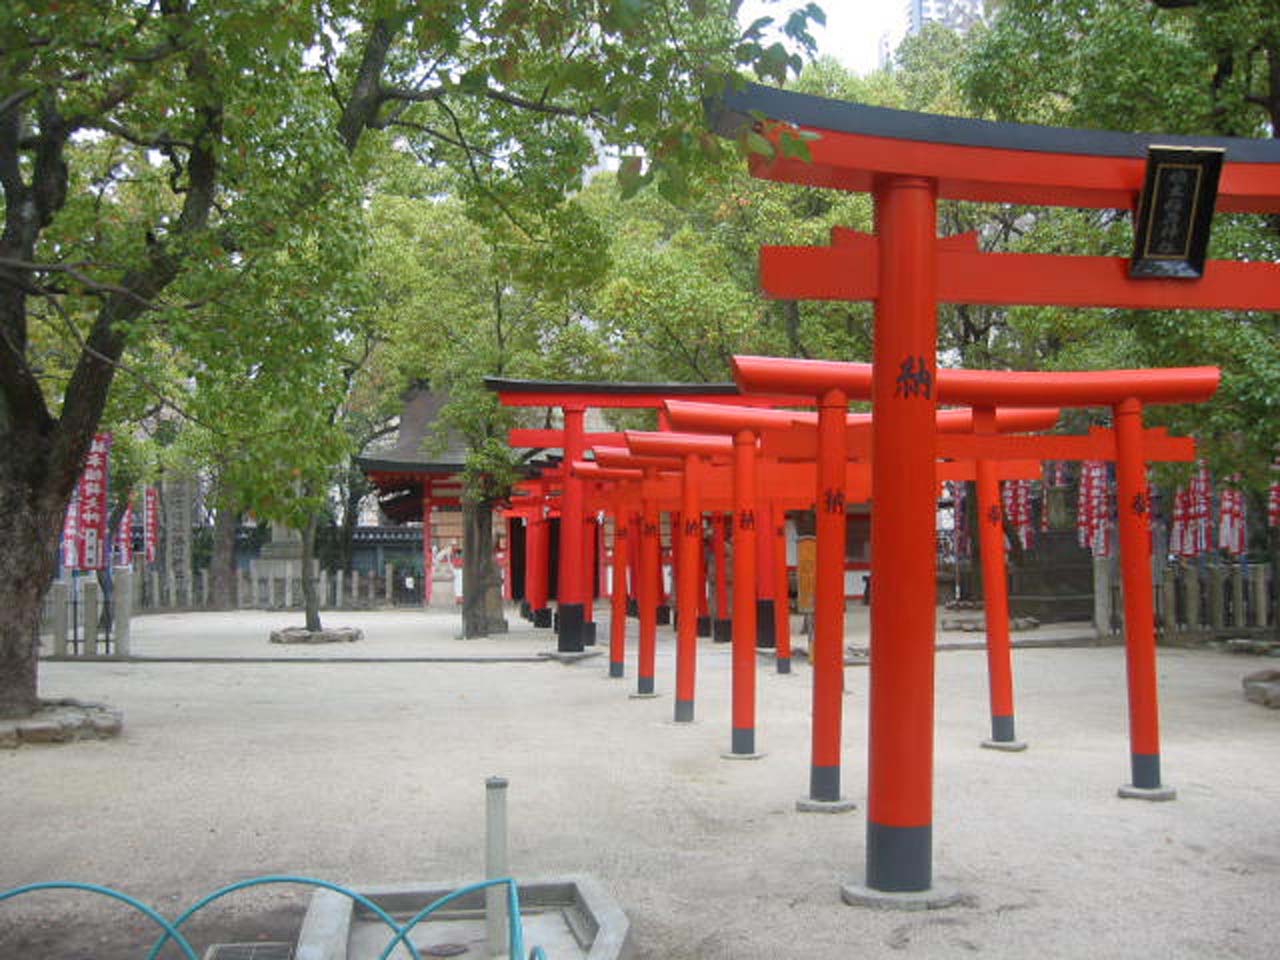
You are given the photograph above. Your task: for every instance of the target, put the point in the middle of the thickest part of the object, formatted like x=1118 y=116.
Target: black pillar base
x=542 y=618
x=1146 y=770
x=824 y=783
x=784 y=664
x=899 y=859
x=722 y=630
x=616 y=670
x=743 y=740
x=704 y=626
x=589 y=633
x=569 y=624
x=526 y=611
x=684 y=711
x=765 y=636
x=1002 y=729
x=633 y=607
x=664 y=614
x=644 y=686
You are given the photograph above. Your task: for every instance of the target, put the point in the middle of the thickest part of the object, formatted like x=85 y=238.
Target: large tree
x=150 y=153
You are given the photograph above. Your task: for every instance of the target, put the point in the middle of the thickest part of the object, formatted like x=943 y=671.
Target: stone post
x=389 y=578
x=337 y=588
x=323 y=587
x=171 y=584
x=1102 y=597
x=1168 y=601
x=1239 y=616
x=1260 y=594
x=123 y=609
x=1217 y=597
x=288 y=584
x=204 y=588
x=89 y=610
x=1191 y=596
x=58 y=597
x=155 y=590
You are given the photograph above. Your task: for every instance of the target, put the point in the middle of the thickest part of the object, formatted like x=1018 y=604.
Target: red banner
x=84 y=532
x=124 y=537
x=151 y=522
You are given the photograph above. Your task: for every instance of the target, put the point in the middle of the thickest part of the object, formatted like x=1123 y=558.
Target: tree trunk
x=30 y=527
x=310 y=598
x=479 y=573
x=222 y=565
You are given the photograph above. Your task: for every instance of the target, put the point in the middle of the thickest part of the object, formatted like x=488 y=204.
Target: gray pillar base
x=843 y=805
x=784 y=664
x=1008 y=746
x=937 y=897
x=616 y=670
x=730 y=755
x=644 y=696
x=572 y=656
x=1130 y=792
x=722 y=631
x=704 y=626
x=684 y=711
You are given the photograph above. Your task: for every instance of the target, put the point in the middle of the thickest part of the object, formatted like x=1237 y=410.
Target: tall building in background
x=953 y=14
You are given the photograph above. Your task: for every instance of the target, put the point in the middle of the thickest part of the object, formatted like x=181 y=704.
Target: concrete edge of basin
x=326 y=928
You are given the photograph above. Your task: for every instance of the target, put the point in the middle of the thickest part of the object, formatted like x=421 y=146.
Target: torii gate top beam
x=988 y=387
x=984 y=161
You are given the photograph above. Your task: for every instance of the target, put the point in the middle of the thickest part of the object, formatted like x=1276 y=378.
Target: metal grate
x=250 y=951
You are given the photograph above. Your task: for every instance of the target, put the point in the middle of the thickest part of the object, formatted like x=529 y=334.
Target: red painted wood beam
x=850 y=271
x=1014 y=388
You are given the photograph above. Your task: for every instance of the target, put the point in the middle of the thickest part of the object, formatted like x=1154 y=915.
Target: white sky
x=853 y=30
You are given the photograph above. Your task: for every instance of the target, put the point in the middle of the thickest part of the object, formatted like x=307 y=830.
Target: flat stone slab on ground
x=303 y=635
x=61 y=721
x=1263 y=686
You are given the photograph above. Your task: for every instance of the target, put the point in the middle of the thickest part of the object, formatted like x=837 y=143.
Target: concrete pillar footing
x=644 y=696
x=1155 y=794
x=1008 y=746
x=808 y=805
x=740 y=756
x=938 y=897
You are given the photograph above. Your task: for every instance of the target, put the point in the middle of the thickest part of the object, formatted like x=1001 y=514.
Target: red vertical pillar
x=618 y=595
x=1133 y=510
x=722 y=625
x=995 y=594
x=764 y=575
x=633 y=564
x=904 y=492
x=743 y=736
x=827 y=654
x=647 y=598
x=781 y=595
x=570 y=591
x=688 y=536
x=537 y=551
x=589 y=527
x=704 y=608
x=427 y=556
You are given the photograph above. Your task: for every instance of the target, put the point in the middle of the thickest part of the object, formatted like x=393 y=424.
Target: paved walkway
x=374 y=773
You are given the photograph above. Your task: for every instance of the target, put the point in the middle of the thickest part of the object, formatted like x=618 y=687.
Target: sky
x=853 y=30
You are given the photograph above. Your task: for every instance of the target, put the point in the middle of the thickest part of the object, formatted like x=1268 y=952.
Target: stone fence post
x=122 y=612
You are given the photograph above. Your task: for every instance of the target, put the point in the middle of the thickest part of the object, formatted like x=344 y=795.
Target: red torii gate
x=907 y=162
x=574 y=398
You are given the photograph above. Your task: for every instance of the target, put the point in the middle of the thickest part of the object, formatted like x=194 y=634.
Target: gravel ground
x=374 y=773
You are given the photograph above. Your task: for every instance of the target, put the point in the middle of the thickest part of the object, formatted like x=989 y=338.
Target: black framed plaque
x=1175 y=214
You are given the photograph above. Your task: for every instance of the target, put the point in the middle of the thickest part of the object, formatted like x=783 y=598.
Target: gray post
x=389 y=579
x=1260 y=594
x=337 y=588
x=155 y=589
x=1191 y=596
x=1217 y=597
x=288 y=584
x=1168 y=600
x=172 y=584
x=324 y=588
x=204 y=588
x=58 y=595
x=253 y=583
x=1102 y=597
x=122 y=609
x=495 y=865
x=89 y=608
x=1239 y=617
